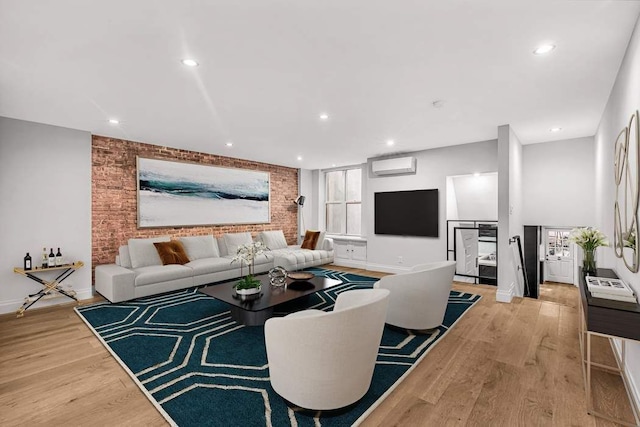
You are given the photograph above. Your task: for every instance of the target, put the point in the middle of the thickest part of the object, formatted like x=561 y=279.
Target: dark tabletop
x=269 y=296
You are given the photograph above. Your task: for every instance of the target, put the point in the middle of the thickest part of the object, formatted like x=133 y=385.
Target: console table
x=610 y=319
x=48 y=286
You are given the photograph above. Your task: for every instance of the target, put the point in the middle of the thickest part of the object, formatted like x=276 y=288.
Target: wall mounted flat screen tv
x=407 y=213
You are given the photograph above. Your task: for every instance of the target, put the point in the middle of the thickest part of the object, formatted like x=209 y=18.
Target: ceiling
x=267 y=69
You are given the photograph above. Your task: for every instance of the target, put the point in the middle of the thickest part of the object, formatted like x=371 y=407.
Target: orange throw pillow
x=310 y=239
x=171 y=252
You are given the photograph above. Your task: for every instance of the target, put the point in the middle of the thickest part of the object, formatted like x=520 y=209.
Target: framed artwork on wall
x=176 y=194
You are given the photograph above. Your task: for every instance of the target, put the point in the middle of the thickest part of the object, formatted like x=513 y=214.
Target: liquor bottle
x=27 y=262
x=52 y=259
x=58 y=258
x=45 y=258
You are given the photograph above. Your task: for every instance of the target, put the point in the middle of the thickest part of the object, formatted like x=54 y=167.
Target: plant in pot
x=589 y=239
x=247 y=254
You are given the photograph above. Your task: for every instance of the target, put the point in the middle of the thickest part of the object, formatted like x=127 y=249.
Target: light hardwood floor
x=502 y=364
x=561 y=293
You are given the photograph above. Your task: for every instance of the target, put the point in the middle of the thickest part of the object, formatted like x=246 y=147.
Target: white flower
x=248 y=253
x=588 y=238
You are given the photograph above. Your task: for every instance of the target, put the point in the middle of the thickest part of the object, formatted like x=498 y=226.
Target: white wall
x=452 y=200
x=317 y=191
x=515 y=185
x=306 y=212
x=433 y=167
x=476 y=197
x=516 y=225
x=45 y=188
x=509 y=211
x=558 y=183
x=623 y=101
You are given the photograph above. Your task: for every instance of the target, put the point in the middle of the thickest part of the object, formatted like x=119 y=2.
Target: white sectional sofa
x=139 y=272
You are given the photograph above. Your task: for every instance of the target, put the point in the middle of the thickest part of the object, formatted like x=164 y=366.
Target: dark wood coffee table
x=254 y=310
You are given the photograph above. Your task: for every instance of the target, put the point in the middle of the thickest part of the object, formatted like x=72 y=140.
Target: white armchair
x=325 y=360
x=419 y=298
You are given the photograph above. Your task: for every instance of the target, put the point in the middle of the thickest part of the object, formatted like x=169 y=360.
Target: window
x=343 y=197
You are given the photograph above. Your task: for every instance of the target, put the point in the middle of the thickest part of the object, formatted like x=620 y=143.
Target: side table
x=48 y=287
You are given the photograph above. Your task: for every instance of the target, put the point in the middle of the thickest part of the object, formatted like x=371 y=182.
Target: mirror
x=627 y=179
x=619 y=166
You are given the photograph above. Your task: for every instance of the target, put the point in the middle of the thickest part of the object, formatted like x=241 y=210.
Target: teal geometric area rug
x=201 y=368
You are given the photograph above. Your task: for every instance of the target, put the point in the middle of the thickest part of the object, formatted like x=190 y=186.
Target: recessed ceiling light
x=324 y=116
x=390 y=142
x=555 y=129
x=477 y=174
x=333 y=165
x=543 y=49
x=190 y=62
x=299 y=157
x=229 y=144
x=114 y=121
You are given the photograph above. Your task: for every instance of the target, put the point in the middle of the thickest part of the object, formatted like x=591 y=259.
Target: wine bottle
x=58 y=258
x=52 y=259
x=45 y=258
x=27 y=262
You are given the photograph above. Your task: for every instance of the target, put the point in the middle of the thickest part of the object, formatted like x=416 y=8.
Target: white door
x=467 y=252
x=359 y=251
x=342 y=249
x=559 y=256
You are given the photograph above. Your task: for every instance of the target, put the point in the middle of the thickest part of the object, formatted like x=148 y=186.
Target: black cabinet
x=488 y=274
x=533 y=265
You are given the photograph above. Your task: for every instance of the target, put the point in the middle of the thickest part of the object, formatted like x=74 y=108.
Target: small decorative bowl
x=301 y=275
x=278 y=276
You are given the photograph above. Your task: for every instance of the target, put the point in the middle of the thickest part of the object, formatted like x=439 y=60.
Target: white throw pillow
x=125 y=258
x=222 y=246
x=274 y=239
x=198 y=247
x=320 y=240
x=235 y=240
x=143 y=253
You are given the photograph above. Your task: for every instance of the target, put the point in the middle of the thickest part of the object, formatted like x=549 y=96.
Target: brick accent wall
x=114 y=195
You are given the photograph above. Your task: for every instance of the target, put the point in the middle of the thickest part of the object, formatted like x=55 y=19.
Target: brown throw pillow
x=310 y=239
x=171 y=252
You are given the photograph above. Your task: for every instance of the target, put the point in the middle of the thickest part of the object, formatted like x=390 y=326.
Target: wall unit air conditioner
x=394 y=166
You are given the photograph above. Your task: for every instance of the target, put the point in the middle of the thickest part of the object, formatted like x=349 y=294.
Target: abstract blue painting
x=174 y=194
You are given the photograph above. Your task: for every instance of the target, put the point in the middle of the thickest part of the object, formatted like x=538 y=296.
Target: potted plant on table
x=247 y=254
x=589 y=239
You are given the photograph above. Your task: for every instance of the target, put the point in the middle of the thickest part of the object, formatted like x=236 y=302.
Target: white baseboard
x=349 y=263
x=463 y=279
x=505 y=295
x=10 y=306
x=387 y=268
x=634 y=390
